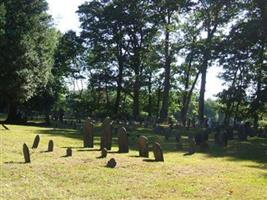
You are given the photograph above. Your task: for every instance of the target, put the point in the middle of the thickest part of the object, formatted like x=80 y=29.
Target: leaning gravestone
x=158 y=153
x=69 y=152
x=88 y=139
x=50 y=146
x=111 y=163
x=106 y=137
x=26 y=153
x=123 y=141
x=36 y=142
x=143 y=146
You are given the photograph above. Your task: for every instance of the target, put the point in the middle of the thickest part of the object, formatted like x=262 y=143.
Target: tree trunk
x=201 y=103
x=119 y=88
x=165 y=101
x=150 y=95
x=136 y=109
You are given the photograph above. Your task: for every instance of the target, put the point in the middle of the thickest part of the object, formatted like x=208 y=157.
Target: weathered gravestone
x=158 y=153
x=88 y=139
x=177 y=136
x=123 y=141
x=36 y=142
x=69 y=152
x=106 y=137
x=50 y=146
x=26 y=153
x=143 y=146
x=220 y=138
x=192 y=147
x=104 y=153
x=111 y=163
x=167 y=133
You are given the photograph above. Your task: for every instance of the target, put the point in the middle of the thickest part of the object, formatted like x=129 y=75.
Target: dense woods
x=135 y=59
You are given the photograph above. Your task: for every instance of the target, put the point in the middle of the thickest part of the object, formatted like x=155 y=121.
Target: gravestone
x=50 y=146
x=26 y=153
x=88 y=139
x=143 y=146
x=69 y=152
x=111 y=163
x=167 y=133
x=104 y=153
x=192 y=147
x=36 y=142
x=123 y=141
x=106 y=137
x=177 y=136
x=158 y=153
x=221 y=138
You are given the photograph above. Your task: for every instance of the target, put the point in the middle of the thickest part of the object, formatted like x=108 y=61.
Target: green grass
x=236 y=172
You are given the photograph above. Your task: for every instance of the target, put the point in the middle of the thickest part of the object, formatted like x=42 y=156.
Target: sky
x=65 y=18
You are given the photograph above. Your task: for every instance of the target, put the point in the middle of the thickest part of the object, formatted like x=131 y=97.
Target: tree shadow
x=252 y=150
x=149 y=160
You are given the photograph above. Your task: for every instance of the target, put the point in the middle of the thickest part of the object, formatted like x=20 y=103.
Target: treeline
x=138 y=58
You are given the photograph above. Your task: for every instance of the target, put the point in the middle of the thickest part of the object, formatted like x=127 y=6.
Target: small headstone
x=177 y=136
x=123 y=141
x=158 y=153
x=104 y=153
x=143 y=146
x=69 y=152
x=26 y=153
x=111 y=163
x=50 y=146
x=36 y=142
x=88 y=140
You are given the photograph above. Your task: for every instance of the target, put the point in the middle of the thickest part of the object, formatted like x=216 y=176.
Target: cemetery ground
x=238 y=171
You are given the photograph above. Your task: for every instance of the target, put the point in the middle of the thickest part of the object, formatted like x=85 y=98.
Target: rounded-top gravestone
x=26 y=153
x=143 y=146
x=50 y=146
x=36 y=142
x=106 y=137
x=158 y=153
x=123 y=140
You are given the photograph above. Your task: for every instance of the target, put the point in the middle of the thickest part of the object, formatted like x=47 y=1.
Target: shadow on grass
x=12 y=162
x=252 y=150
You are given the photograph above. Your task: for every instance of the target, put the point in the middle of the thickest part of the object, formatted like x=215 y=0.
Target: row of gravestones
x=123 y=144
x=26 y=151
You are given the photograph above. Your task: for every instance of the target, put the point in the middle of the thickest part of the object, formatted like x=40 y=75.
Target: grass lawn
x=236 y=172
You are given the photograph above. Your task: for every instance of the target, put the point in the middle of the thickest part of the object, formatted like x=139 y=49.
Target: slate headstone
x=50 y=146
x=123 y=140
x=26 y=153
x=158 y=153
x=88 y=140
x=36 y=142
x=69 y=152
x=106 y=137
x=143 y=146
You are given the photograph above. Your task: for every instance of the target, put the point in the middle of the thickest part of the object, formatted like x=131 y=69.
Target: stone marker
x=26 y=153
x=88 y=139
x=158 y=154
x=192 y=147
x=50 y=146
x=106 y=137
x=177 y=136
x=104 y=153
x=143 y=146
x=69 y=152
x=111 y=163
x=123 y=141
x=36 y=142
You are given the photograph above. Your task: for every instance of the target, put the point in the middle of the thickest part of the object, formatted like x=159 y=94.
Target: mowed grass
x=236 y=172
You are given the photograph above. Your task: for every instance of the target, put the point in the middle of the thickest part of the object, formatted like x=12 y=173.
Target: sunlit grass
x=237 y=172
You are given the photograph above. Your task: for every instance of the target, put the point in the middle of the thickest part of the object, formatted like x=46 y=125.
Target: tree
x=26 y=52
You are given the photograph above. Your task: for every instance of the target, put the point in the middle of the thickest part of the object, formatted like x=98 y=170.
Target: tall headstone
x=88 y=139
x=50 y=146
x=158 y=153
x=123 y=140
x=36 y=142
x=143 y=146
x=106 y=137
x=26 y=154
